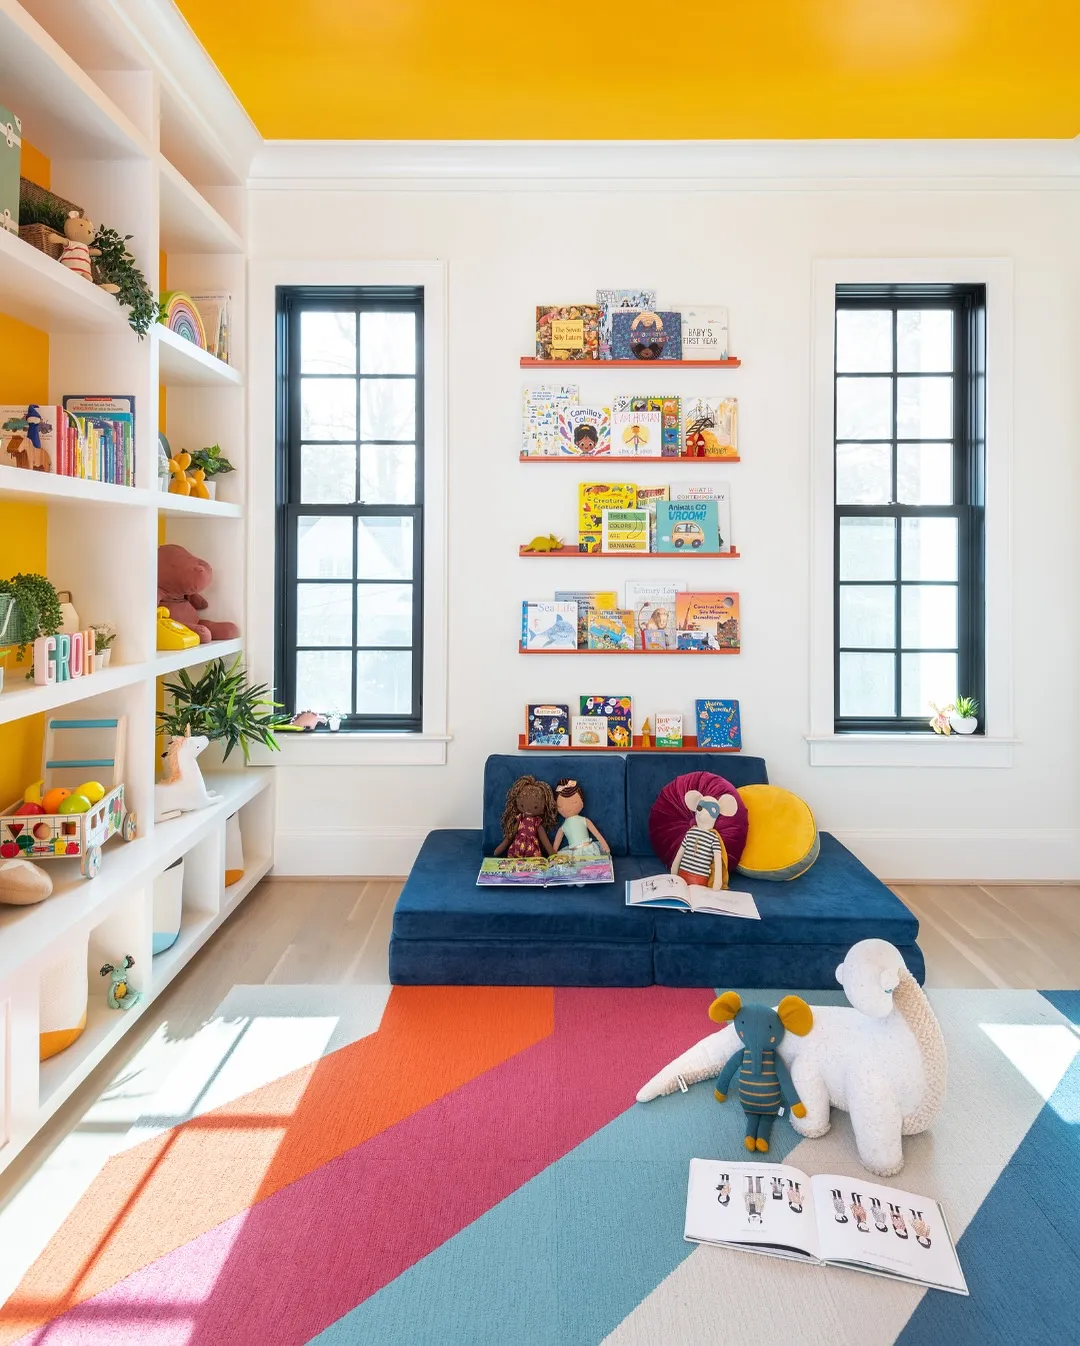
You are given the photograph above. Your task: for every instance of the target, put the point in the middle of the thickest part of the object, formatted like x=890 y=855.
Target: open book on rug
x=552 y=871
x=830 y=1220
x=668 y=890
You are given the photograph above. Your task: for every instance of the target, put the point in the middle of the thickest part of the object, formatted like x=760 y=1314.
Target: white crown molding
x=701 y=165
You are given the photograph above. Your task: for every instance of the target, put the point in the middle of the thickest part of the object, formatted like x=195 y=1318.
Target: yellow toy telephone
x=174 y=635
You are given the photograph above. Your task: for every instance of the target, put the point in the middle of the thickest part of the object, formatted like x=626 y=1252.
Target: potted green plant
x=213 y=463
x=29 y=608
x=963 y=716
x=224 y=706
x=104 y=635
x=116 y=266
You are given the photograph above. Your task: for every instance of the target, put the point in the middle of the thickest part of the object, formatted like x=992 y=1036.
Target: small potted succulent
x=213 y=464
x=964 y=715
x=104 y=635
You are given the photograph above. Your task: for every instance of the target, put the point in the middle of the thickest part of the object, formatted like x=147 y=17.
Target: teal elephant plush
x=764 y=1081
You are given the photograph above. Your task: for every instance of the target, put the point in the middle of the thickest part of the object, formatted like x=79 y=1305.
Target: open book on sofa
x=552 y=871
x=668 y=890
x=828 y=1219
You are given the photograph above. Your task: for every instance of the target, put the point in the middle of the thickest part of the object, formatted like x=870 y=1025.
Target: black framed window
x=350 y=504
x=909 y=474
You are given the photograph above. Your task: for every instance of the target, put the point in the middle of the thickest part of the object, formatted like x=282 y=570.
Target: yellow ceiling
x=647 y=70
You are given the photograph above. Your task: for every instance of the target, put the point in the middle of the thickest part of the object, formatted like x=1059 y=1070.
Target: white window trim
x=994 y=749
x=429 y=747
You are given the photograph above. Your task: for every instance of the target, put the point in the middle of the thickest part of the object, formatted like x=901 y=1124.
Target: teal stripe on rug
x=563 y=1260
x=1020 y=1252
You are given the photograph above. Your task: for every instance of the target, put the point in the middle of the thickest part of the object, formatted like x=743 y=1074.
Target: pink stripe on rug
x=291 y=1265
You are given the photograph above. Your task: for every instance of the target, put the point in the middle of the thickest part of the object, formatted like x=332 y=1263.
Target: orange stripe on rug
x=157 y=1196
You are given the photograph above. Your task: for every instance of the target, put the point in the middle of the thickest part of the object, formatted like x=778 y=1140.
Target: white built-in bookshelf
x=131 y=146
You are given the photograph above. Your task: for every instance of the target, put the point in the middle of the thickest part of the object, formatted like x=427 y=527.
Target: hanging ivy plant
x=116 y=266
x=37 y=607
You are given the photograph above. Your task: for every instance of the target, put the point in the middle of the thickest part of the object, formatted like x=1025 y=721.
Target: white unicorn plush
x=883 y=1061
x=182 y=788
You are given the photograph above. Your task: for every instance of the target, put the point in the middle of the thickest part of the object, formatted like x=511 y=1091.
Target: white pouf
x=62 y=994
x=168 y=906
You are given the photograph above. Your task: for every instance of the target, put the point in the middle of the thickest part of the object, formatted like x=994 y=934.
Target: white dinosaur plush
x=882 y=1061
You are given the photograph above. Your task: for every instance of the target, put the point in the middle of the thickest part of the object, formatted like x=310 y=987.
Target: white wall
x=753 y=248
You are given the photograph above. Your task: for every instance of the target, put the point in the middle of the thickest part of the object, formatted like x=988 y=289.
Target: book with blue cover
x=547 y=726
x=687 y=526
x=646 y=336
x=718 y=724
x=609 y=301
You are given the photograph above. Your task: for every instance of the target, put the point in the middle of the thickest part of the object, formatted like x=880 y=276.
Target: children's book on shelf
x=553 y=871
x=653 y=606
x=719 y=491
x=618 y=711
x=707 y=621
x=593 y=498
x=828 y=1220
x=669 y=890
x=718 y=724
x=568 y=331
x=587 y=600
x=548 y=626
x=34 y=437
x=103 y=447
x=636 y=434
x=609 y=301
x=547 y=726
x=584 y=432
x=611 y=629
x=711 y=427
x=647 y=496
x=670 y=418
x=215 y=310
x=650 y=334
x=540 y=418
x=625 y=530
x=687 y=526
x=588 y=731
x=669 y=729
x=705 y=333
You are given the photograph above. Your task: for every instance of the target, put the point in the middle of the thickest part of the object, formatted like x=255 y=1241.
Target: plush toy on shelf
x=122 y=995
x=78 y=252
x=527 y=817
x=582 y=837
x=181 y=579
x=182 y=788
x=764 y=1082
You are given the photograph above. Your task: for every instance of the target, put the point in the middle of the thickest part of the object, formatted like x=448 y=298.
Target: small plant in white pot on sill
x=104 y=635
x=964 y=715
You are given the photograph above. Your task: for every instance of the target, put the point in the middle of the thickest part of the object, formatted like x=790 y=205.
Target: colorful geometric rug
x=467 y=1166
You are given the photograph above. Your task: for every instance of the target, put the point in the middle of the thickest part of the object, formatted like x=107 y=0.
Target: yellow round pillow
x=782 y=841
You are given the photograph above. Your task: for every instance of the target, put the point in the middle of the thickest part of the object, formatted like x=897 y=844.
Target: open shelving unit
x=136 y=155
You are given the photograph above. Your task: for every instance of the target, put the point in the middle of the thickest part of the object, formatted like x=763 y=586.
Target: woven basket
x=43 y=238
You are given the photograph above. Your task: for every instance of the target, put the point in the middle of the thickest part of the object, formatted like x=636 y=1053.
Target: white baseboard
x=372 y=852
x=1033 y=855
x=1018 y=855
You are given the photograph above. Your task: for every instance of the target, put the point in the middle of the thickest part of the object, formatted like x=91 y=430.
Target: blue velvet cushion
x=648 y=773
x=537 y=962
x=836 y=902
x=799 y=966
x=602 y=776
x=440 y=901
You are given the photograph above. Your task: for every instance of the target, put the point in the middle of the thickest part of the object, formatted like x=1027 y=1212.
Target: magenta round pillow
x=670 y=819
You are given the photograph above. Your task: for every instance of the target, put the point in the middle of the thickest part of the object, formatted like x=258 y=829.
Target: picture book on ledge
x=653 y=606
x=554 y=871
x=547 y=726
x=670 y=414
x=588 y=601
x=718 y=724
x=568 y=331
x=540 y=418
x=711 y=427
x=687 y=526
x=593 y=498
x=647 y=335
x=707 y=621
x=609 y=301
x=669 y=890
x=826 y=1220
x=617 y=712
x=548 y=626
x=584 y=432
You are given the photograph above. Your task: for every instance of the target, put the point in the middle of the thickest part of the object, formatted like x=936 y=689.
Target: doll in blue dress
x=582 y=837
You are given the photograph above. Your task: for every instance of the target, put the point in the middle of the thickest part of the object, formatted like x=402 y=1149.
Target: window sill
x=918 y=750
x=356 y=749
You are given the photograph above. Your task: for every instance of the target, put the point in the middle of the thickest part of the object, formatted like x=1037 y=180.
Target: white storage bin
x=168 y=906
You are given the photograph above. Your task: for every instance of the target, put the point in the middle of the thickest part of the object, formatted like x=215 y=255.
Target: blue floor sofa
x=446 y=931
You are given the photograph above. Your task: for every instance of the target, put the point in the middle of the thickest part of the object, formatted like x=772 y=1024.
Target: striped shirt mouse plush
x=702 y=857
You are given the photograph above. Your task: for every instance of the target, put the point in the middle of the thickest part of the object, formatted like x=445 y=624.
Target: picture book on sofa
x=828 y=1220
x=554 y=871
x=669 y=890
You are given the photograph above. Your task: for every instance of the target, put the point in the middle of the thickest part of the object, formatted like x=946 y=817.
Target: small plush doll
x=527 y=817
x=575 y=828
x=764 y=1081
x=122 y=995
x=702 y=857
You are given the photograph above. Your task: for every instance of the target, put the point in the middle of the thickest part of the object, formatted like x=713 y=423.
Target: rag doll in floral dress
x=526 y=819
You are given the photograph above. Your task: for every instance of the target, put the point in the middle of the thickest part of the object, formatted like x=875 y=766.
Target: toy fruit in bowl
x=74 y=803
x=92 y=790
x=53 y=798
x=32 y=793
x=28 y=810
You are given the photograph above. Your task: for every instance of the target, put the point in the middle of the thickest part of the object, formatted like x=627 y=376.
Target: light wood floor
x=334 y=931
